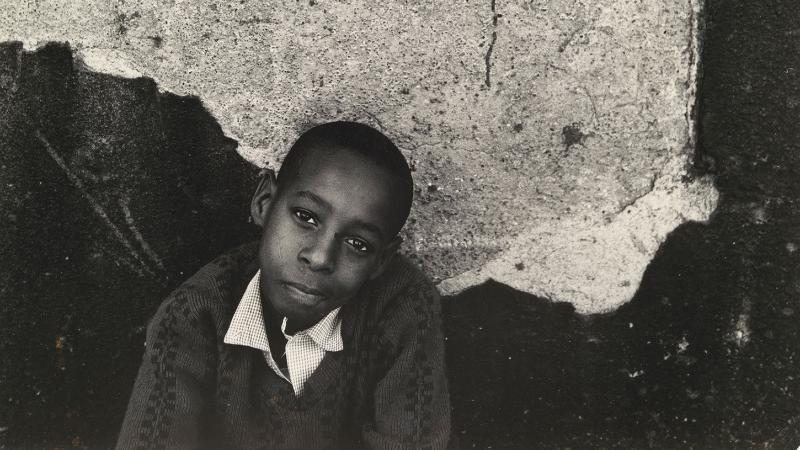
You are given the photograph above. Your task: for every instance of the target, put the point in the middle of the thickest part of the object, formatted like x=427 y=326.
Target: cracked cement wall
x=551 y=141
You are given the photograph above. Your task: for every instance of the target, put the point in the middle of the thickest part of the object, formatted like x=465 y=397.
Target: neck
x=293 y=326
x=272 y=321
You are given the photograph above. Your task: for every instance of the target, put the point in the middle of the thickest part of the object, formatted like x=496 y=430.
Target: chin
x=291 y=309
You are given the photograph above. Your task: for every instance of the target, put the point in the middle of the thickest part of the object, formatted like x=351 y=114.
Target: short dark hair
x=360 y=139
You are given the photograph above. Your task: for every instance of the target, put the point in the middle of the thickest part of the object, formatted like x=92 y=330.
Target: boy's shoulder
x=216 y=287
x=228 y=270
x=400 y=275
x=403 y=289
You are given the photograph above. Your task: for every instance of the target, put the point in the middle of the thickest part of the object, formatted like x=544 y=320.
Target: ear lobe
x=386 y=257
x=262 y=199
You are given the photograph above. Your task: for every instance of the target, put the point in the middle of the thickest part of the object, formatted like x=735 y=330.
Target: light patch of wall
x=550 y=139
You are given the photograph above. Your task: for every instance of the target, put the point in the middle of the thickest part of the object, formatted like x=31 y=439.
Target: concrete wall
x=550 y=140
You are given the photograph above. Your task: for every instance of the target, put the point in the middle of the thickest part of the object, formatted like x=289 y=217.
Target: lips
x=303 y=293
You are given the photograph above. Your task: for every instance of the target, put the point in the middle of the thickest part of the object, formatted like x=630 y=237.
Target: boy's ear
x=262 y=199
x=386 y=257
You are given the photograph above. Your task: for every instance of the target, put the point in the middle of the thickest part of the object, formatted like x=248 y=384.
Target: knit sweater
x=386 y=389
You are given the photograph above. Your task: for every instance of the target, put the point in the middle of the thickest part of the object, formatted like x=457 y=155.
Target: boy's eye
x=358 y=245
x=305 y=216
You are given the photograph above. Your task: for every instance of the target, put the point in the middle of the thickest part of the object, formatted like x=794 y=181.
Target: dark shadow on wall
x=112 y=194
x=705 y=356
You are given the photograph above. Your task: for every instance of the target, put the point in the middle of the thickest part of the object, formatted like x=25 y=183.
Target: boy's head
x=330 y=219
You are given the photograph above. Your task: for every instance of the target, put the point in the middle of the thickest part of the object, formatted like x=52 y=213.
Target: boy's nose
x=319 y=253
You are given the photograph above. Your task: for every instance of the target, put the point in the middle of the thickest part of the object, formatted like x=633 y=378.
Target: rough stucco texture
x=550 y=139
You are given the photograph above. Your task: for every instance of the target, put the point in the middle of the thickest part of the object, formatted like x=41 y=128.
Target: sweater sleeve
x=411 y=403
x=168 y=403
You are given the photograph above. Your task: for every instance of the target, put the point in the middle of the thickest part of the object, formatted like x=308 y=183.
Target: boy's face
x=325 y=233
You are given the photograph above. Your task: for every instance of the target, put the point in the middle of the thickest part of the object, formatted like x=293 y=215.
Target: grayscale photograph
x=346 y=224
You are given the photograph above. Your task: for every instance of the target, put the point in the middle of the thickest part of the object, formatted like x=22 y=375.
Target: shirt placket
x=274 y=366
x=298 y=349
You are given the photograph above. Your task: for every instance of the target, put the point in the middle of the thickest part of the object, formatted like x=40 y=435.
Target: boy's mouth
x=303 y=293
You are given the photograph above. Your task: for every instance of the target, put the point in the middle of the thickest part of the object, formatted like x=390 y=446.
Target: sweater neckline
x=329 y=371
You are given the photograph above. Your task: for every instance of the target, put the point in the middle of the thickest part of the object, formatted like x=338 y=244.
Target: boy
x=320 y=336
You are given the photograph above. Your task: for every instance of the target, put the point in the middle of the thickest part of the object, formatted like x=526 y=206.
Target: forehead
x=355 y=188
x=342 y=167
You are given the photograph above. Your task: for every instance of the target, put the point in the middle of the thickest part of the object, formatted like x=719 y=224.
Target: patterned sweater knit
x=385 y=390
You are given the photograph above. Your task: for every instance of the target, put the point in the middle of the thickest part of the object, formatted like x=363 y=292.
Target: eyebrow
x=327 y=206
x=314 y=198
x=370 y=227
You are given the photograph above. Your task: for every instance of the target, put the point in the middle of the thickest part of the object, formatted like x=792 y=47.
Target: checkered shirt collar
x=247 y=325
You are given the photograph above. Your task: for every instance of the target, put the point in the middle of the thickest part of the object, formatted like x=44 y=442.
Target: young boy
x=319 y=336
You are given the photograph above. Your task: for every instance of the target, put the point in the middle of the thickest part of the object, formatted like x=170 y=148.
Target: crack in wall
x=694 y=76
x=488 y=57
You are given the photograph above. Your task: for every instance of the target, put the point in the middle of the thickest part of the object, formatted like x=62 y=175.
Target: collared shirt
x=304 y=350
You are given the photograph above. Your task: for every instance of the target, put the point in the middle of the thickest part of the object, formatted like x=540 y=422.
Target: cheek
x=351 y=276
x=279 y=245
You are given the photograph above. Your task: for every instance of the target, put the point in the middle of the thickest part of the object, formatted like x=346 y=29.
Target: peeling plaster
x=597 y=266
x=109 y=61
x=559 y=152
